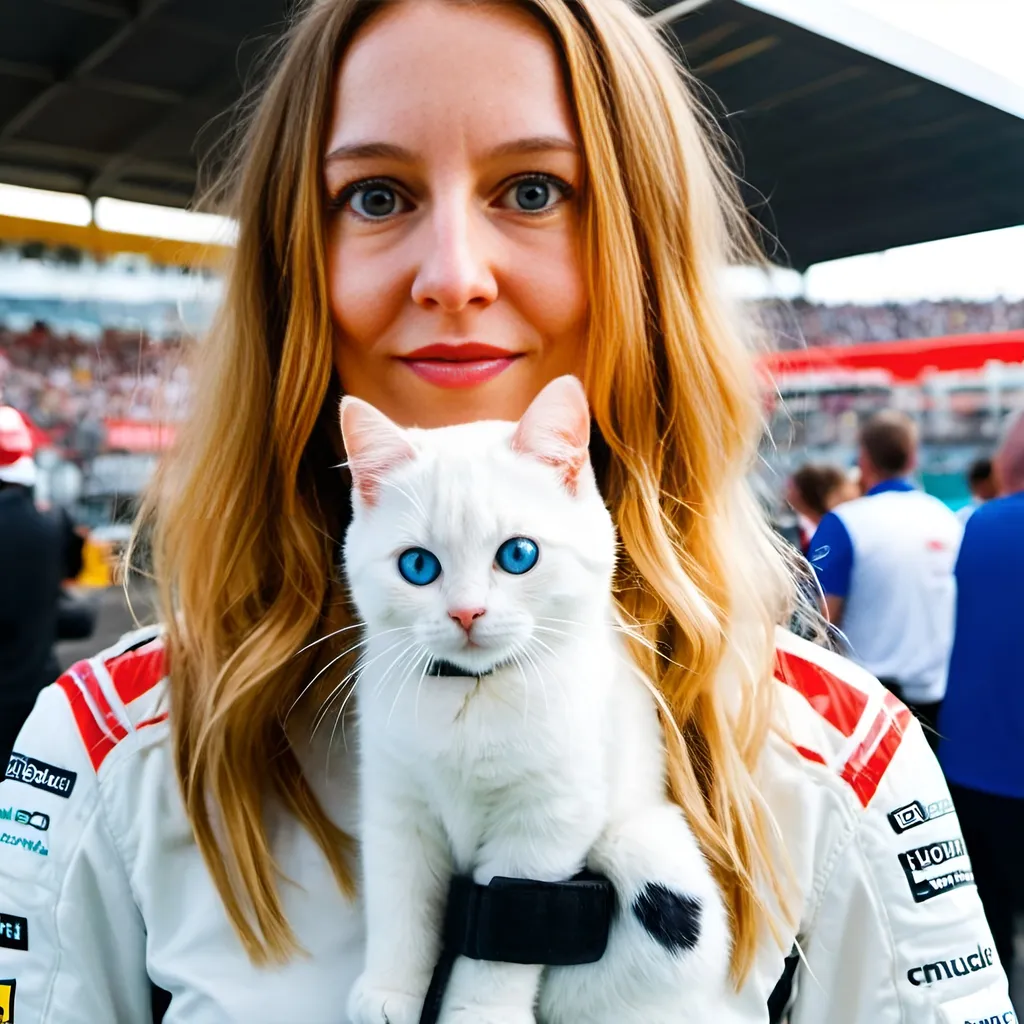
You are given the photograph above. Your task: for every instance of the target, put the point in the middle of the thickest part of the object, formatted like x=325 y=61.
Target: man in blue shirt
x=982 y=720
x=885 y=565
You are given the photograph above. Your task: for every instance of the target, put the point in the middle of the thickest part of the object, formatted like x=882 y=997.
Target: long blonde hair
x=246 y=513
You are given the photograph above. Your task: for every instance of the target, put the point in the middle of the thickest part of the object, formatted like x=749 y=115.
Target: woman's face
x=454 y=169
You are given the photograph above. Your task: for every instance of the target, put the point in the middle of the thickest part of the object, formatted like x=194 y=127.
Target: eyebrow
x=389 y=151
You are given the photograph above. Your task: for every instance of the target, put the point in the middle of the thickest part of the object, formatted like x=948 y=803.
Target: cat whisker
x=305 y=689
x=337 y=720
x=414 y=498
x=341 y=715
x=565 y=622
x=394 y=703
x=526 y=686
x=334 y=661
x=541 y=678
x=322 y=713
x=424 y=653
x=398 y=660
x=327 y=636
x=619 y=627
x=540 y=643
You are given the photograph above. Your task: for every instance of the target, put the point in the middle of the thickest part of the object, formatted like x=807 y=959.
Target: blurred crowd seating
x=66 y=381
x=796 y=324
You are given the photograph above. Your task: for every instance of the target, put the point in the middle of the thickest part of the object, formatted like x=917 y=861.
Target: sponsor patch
x=7 y=987
x=34 y=819
x=955 y=967
x=40 y=775
x=25 y=842
x=937 y=868
x=13 y=932
x=989 y=1006
x=916 y=813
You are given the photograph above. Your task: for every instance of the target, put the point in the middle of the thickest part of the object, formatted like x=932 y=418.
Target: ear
x=374 y=446
x=556 y=429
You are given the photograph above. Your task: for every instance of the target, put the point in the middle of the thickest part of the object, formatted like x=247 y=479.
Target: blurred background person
x=38 y=551
x=885 y=565
x=982 y=721
x=981 y=481
x=814 y=490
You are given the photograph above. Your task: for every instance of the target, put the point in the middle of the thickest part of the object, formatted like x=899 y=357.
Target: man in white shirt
x=885 y=564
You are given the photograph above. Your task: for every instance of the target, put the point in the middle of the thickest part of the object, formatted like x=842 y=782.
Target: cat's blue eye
x=517 y=555
x=419 y=566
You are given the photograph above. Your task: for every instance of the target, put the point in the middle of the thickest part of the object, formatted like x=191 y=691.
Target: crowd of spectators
x=62 y=379
x=799 y=323
x=63 y=382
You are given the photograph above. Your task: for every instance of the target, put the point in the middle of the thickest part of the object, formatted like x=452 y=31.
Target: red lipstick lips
x=459 y=366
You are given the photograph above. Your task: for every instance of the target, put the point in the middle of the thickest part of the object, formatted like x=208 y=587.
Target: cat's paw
x=476 y=1014
x=370 y=1003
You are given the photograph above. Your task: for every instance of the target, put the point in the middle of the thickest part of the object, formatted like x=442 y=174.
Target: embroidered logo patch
x=13 y=932
x=937 y=868
x=40 y=775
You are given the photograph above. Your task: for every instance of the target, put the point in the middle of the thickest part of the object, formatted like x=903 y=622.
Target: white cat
x=485 y=553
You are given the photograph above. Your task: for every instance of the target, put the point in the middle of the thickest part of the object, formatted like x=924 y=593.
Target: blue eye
x=535 y=193
x=419 y=566
x=517 y=555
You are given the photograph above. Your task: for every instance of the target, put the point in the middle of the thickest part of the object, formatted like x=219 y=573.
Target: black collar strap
x=521 y=921
x=440 y=667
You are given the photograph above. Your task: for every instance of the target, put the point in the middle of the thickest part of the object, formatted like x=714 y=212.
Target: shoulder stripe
x=843 y=705
x=840 y=703
x=136 y=672
x=83 y=672
x=97 y=724
x=810 y=755
x=868 y=763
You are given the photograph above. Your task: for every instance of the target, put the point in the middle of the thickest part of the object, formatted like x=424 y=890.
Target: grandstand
x=95 y=314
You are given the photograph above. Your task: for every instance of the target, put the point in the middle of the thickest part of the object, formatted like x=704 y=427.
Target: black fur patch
x=671 y=919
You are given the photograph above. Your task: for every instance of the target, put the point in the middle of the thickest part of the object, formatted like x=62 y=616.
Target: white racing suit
x=103 y=893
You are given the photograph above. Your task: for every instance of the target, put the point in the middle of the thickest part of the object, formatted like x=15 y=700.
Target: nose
x=465 y=617
x=455 y=270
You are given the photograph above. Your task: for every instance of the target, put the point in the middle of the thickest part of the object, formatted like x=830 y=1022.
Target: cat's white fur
x=554 y=761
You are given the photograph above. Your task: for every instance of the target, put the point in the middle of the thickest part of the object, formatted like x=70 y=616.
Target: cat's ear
x=556 y=429
x=374 y=446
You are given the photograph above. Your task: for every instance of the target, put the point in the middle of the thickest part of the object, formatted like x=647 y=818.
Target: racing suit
x=103 y=891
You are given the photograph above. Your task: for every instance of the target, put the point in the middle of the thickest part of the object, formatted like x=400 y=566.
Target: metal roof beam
x=731 y=58
x=132 y=90
x=145 y=10
x=122 y=162
x=99 y=8
x=32 y=72
x=23 y=149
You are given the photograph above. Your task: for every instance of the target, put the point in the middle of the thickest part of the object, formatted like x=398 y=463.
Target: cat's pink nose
x=465 y=617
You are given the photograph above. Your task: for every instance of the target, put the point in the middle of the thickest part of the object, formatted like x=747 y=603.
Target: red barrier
x=906 y=360
x=138 y=435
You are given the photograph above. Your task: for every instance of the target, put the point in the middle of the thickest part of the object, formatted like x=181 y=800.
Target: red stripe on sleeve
x=810 y=755
x=97 y=743
x=84 y=673
x=864 y=770
x=137 y=672
x=840 y=703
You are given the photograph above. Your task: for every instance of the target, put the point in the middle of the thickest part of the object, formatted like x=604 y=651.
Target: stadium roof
x=854 y=136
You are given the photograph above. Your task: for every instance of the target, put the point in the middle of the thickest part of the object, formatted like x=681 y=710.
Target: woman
x=441 y=207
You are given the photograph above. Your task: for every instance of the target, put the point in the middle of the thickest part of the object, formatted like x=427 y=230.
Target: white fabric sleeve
x=899 y=935
x=72 y=941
